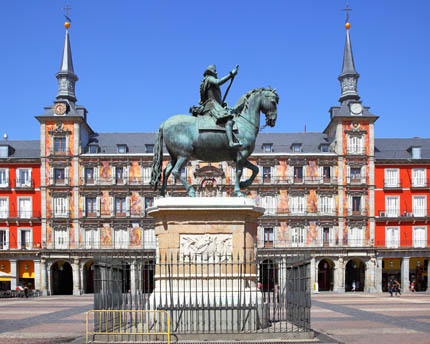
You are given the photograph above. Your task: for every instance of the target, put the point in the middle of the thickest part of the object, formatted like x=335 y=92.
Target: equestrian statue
x=215 y=132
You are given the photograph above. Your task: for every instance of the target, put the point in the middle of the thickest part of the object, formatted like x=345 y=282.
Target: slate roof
x=22 y=148
x=392 y=148
x=343 y=111
x=281 y=142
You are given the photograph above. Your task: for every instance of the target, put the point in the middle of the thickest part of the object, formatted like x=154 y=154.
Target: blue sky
x=141 y=61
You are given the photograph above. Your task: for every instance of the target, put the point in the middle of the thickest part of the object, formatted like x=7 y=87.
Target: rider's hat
x=211 y=70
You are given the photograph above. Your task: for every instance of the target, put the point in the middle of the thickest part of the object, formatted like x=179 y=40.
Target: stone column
x=370 y=276
x=405 y=275
x=314 y=274
x=133 y=277
x=81 y=272
x=339 y=276
x=37 y=274
x=43 y=277
x=49 y=284
x=76 y=277
x=13 y=272
x=378 y=275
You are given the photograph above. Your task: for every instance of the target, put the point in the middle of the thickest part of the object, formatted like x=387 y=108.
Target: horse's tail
x=157 y=160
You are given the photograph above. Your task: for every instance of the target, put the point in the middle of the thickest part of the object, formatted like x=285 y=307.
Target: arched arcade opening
x=325 y=275
x=61 y=278
x=354 y=275
x=88 y=277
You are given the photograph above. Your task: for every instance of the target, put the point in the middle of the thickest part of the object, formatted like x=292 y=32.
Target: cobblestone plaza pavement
x=373 y=318
x=347 y=318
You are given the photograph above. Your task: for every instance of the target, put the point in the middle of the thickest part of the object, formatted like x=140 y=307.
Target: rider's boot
x=229 y=132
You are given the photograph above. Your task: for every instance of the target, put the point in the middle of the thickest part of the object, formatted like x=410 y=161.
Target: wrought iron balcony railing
x=19 y=214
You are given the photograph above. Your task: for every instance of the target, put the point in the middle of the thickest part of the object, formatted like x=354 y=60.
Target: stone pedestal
x=206 y=257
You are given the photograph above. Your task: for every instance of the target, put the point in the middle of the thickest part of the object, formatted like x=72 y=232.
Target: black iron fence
x=207 y=294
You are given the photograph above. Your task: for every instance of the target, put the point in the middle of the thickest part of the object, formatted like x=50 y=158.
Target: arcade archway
x=325 y=275
x=62 y=278
x=355 y=275
x=88 y=277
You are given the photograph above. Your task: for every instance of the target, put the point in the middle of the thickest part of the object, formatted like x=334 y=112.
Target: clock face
x=356 y=108
x=60 y=108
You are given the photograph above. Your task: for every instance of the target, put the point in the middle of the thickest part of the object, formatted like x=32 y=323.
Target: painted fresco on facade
x=72 y=243
x=105 y=172
x=105 y=206
x=312 y=239
x=281 y=171
x=312 y=169
x=48 y=234
x=71 y=203
x=135 y=235
x=136 y=204
x=106 y=235
x=312 y=201
x=51 y=127
x=48 y=205
x=283 y=201
x=135 y=172
x=282 y=235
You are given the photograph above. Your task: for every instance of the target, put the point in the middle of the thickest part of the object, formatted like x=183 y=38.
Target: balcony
x=402 y=243
x=134 y=214
x=392 y=184
x=19 y=215
x=419 y=183
x=116 y=181
x=65 y=244
x=357 y=212
x=4 y=183
x=356 y=180
x=403 y=214
x=59 y=181
x=61 y=214
x=295 y=180
x=24 y=184
x=299 y=212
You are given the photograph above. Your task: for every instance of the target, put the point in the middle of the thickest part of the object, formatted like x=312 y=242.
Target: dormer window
x=267 y=147
x=324 y=147
x=149 y=148
x=4 y=151
x=122 y=149
x=296 y=147
x=93 y=149
x=416 y=152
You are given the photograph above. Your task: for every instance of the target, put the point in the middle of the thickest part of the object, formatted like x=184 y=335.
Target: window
x=91 y=238
x=296 y=147
x=120 y=204
x=326 y=236
x=267 y=147
x=23 y=177
x=326 y=174
x=93 y=149
x=416 y=152
x=392 y=237
x=297 y=204
x=419 y=205
x=355 y=145
x=324 y=148
x=122 y=149
x=268 y=237
x=392 y=206
x=298 y=236
x=4 y=207
x=119 y=175
x=4 y=238
x=325 y=205
x=60 y=175
x=147 y=175
x=269 y=203
x=4 y=151
x=91 y=206
x=355 y=174
x=4 y=177
x=61 y=238
x=392 y=177
x=419 y=236
x=59 y=145
x=24 y=239
x=149 y=202
x=61 y=206
x=89 y=175
x=24 y=208
x=267 y=174
x=121 y=238
x=355 y=236
x=356 y=205
x=419 y=177
x=149 y=148
x=298 y=174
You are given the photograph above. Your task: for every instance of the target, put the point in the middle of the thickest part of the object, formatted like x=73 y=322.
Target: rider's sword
x=228 y=88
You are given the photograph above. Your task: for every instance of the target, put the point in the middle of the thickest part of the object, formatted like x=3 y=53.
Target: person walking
x=397 y=287
x=390 y=286
x=353 y=286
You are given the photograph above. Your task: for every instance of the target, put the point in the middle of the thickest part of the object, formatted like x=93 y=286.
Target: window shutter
x=349 y=204
x=127 y=207
x=98 y=205
x=113 y=174
x=348 y=173
x=260 y=237
x=112 y=206
x=83 y=177
x=66 y=176
x=126 y=173
x=84 y=205
x=30 y=180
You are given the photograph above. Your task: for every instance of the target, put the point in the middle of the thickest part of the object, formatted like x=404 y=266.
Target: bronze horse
x=184 y=141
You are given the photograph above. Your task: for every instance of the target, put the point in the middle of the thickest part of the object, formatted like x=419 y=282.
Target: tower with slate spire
x=350 y=133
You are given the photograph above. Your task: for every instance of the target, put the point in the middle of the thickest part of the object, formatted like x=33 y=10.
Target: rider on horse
x=212 y=104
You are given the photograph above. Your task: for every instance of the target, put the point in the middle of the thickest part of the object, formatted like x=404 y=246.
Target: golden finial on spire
x=347 y=25
x=66 y=10
x=347 y=9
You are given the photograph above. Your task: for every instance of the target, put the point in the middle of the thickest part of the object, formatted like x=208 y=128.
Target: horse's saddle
x=208 y=123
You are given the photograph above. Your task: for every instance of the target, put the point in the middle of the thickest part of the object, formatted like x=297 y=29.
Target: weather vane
x=66 y=12
x=347 y=9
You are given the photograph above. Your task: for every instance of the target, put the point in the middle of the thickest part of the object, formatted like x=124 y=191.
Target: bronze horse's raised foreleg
x=249 y=181
x=180 y=163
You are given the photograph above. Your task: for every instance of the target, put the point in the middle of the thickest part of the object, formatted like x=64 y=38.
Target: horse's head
x=269 y=105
